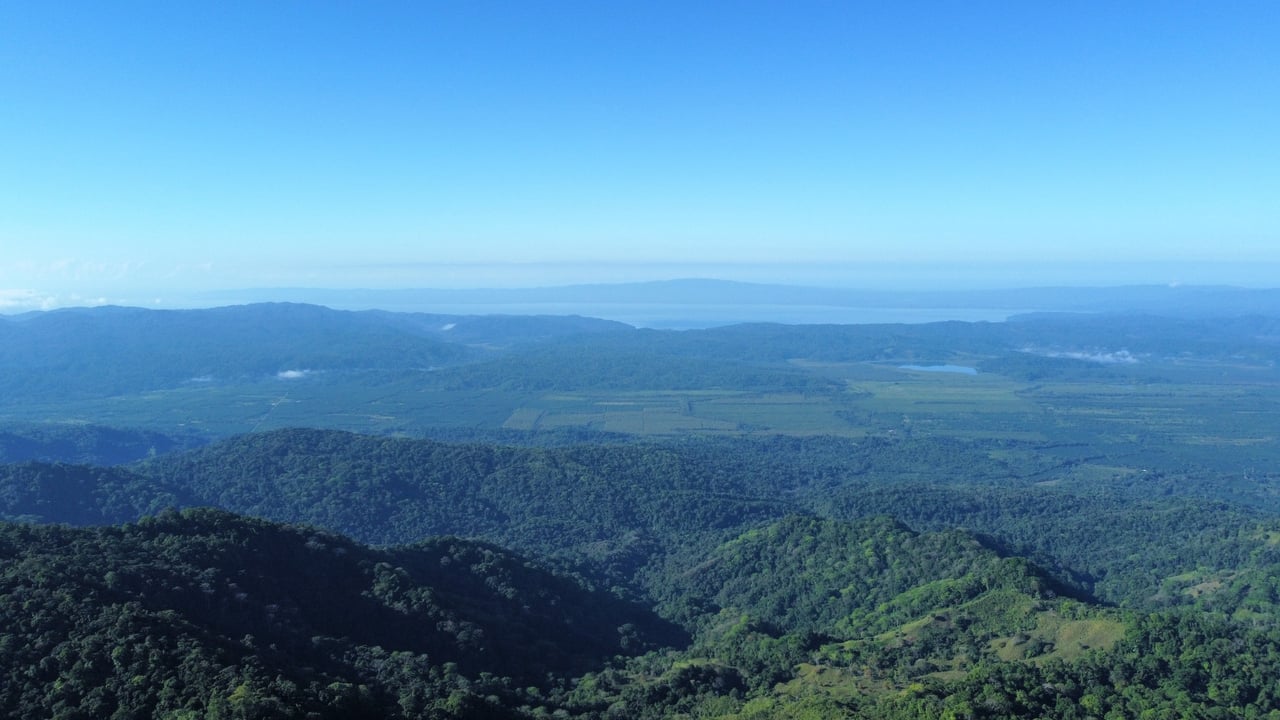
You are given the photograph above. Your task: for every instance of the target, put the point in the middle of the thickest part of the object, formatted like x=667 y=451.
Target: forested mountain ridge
x=619 y=509
x=1175 y=300
x=791 y=613
x=500 y=331
x=808 y=574
x=207 y=614
x=86 y=444
x=1248 y=336
x=1152 y=549
x=83 y=495
x=111 y=351
x=552 y=496
x=621 y=506
x=215 y=615
x=837 y=617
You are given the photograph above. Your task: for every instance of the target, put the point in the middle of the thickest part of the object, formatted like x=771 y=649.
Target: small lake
x=959 y=369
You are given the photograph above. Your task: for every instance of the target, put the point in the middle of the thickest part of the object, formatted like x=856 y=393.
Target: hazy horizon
x=887 y=279
x=153 y=152
x=871 y=278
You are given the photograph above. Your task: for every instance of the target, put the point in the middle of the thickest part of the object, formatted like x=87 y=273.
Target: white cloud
x=292 y=374
x=1104 y=357
x=76 y=299
x=21 y=300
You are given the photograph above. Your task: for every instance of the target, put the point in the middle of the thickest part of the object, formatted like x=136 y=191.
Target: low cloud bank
x=1103 y=357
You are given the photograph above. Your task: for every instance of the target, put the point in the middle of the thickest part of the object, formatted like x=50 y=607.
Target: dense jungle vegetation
x=292 y=512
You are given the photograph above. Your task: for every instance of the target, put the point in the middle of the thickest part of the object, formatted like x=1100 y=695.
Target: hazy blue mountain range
x=1176 y=300
x=114 y=350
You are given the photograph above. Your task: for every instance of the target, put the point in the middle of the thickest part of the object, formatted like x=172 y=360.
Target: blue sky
x=155 y=148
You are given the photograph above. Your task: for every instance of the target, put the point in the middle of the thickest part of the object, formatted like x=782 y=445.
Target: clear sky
x=153 y=148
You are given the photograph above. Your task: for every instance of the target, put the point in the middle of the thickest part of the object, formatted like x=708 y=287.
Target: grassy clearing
x=1055 y=637
x=835 y=682
x=1195 y=584
x=1075 y=637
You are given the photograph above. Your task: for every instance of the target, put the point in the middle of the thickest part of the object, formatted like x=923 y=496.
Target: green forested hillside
x=82 y=494
x=501 y=331
x=1122 y=549
x=594 y=500
x=86 y=444
x=801 y=616
x=620 y=509
x=808 y=574
x=84 y=353
x=205 y=614
x=945 y=629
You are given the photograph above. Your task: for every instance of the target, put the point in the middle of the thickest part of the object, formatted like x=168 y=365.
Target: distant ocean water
x=691 y=317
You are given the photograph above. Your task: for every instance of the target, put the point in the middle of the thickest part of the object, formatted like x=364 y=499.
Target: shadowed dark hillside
x=211 y=613
x=88 y=444
x=83 y=494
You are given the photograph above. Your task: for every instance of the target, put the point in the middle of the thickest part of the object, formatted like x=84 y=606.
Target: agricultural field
x=1196 y=418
